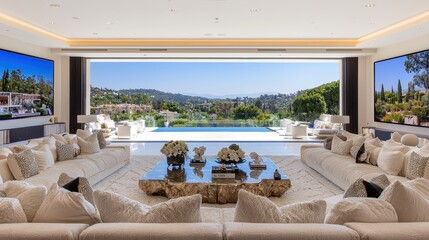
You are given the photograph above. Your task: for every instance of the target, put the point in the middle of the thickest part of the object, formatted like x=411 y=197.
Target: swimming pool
x=212 y=129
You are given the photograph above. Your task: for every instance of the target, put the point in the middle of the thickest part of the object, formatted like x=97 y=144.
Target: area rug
x=306 y=185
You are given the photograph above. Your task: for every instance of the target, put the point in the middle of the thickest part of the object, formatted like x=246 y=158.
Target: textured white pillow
x=43 y=156
x=117 y=208
x=396 y=137
x=410 y=140
x=4 y=152
x=1 y=180
x=341 y=147
x=50 y=141
x=23 y=165
x=258 y=209
x=30 y=196
x=83 y=133
x=63 y=206
x=11 y=211
x=89 y=144
x=410 y=205
x=390 y=161
x=420 y=185
x=374 y=152
x=369 y=210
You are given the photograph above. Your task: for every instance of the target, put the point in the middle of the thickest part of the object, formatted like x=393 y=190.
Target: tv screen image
x=401 y=89
x=26 y=85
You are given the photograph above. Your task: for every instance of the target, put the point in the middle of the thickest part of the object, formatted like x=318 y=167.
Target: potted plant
x=175 y=151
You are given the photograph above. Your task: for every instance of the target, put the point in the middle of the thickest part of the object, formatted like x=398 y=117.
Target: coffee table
x=189 y=180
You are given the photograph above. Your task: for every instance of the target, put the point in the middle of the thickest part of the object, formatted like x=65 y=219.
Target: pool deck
x=273 y=136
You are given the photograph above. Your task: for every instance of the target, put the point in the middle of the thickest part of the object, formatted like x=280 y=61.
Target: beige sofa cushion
x=390 y=161
x=23 y=164
x=164 y=231
x=41 y=231
x=341 y=147
x=43 y=156
x=89 y=144
x=4 y=152
x=309 y=231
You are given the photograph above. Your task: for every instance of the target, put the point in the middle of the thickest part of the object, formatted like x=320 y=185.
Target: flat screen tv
x=401 y=86
x=26 y=85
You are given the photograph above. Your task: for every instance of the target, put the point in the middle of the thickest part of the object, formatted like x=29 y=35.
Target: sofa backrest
x=5 y=172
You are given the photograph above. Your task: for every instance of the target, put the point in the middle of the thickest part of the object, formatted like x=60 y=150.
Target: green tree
x=5 y=81
x=382 y=97
x=399 y=93
x=308 y=106
x=418 y=63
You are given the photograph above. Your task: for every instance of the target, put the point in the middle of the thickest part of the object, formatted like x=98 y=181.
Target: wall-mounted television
x=26 y=85
x=401 y=87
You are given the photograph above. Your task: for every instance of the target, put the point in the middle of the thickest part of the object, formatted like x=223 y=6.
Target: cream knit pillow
x=341 y=147
x=89 y=144
x=369 y=210
x=117 y=208
x=258 y=209
x=43 y=156
x=11 y=211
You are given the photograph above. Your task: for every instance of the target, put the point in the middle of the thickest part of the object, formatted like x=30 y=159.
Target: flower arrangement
x=175 y=148
x=233 y=153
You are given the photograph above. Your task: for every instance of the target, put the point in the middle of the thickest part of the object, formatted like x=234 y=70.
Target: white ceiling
x=211 y=19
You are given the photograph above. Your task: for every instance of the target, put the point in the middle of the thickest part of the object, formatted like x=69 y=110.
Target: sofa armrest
x=308 y=146
x=391 y=231
x=125 y=148
x=41 y=231
x=281 y=231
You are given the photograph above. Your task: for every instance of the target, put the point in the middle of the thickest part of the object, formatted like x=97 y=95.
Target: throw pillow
x=417 y=166
x=374 y=152
x=375 y=141
x=18 y=148
x=419 y=185
x=258 y=209
x=396 y=137
x=11 y=211
x=327 y=143
x=29 y=196
x=360 y=154
x=410 y=205
x=79 y=184
x=410 y=140
x=23 y=165
x=372 y=188
x=368 y=210
x=101 y=140
x=65 y=151
x=43 y=156
x=83 y=133
x=4 y=152
x=117 y=208
x=63 y=206
x=89 y=145
x=50 y=141
x=390 y=161
x=67 y=139
x=341 y=147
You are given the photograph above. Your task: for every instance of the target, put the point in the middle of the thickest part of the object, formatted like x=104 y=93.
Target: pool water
x=212 y=129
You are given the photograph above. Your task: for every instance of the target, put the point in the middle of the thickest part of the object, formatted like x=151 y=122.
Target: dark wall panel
x=77 y=91
x=350 y=93
x=25 y=133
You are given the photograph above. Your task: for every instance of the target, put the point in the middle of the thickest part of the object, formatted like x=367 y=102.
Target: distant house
x=169 y=115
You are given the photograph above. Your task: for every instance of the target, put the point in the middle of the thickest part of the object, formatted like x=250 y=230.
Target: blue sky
x=215 y=78
x=29 y=66
x=389 y=71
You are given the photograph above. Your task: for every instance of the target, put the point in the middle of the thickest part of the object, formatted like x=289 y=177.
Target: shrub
x=387 y=118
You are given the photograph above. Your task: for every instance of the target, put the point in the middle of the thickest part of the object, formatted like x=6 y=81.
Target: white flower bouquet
x=233 y=154
x=175 y=148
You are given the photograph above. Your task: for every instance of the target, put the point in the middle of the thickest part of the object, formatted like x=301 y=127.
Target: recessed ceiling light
x=208 y=34
x=54 y=5
x=173 y=10
x=95 y=34
x=370 y=5
x=255 y=10
x=109 y=23
x=52 y=22
x=372 y=23
x=75 y=18
x=6 y=30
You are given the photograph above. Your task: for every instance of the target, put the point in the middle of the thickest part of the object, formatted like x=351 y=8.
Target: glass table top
x=202 y=173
